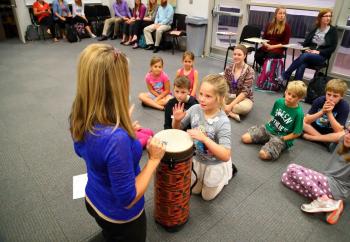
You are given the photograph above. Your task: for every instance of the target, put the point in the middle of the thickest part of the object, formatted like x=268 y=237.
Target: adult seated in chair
x=121 y=14
x=321 y=41
x=137 y=28
x=62 y=15
x=42 y=12
x=79 y=16
x=138 y=13
x=278 y=33
x=162 y=23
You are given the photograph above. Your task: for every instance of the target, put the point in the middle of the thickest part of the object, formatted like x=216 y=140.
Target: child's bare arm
x=165 y=92
x=151 y=90
x=195 y=84
x=290 y=136
x=219 y=151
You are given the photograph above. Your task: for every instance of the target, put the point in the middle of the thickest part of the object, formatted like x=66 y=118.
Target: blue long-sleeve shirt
x=112 y=161
x=164 y=15
x=121 y=10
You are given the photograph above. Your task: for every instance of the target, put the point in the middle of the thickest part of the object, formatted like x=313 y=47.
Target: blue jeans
x=302 y=62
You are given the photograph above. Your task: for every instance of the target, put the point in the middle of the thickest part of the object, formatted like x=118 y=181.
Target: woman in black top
x=321 y=41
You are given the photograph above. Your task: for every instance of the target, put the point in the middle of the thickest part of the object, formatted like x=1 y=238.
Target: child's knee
x=142 y=96
x=264 y=155
x=246 y=138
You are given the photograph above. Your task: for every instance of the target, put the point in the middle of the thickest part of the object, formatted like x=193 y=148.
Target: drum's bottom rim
x=172 y=229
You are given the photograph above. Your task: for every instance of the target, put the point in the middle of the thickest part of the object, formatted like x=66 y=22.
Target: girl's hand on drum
x=136 y=125
x=178 y=111
x=156 y=150
x=197 y=134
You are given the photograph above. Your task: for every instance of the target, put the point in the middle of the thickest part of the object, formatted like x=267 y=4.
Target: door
x=8 y=25
x=228 y=18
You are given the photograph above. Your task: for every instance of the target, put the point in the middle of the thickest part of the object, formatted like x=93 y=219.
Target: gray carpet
x=37 y=161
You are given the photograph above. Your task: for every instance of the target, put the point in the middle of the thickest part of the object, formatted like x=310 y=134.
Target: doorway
x=8 y=26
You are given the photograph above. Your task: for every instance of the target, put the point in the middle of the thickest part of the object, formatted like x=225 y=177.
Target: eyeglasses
x=326 y=16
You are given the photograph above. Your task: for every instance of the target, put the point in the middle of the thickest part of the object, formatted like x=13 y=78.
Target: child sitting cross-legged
x=181 y=95
x=285 y=125
x=327 y=116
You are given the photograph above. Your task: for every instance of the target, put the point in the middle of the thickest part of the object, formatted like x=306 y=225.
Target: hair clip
x=117 y=53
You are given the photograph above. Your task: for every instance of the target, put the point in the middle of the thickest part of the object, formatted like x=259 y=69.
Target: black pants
x=78 y=19
x=261 y=55
x=62 y=24
x=137 y=27
x=134 y=231
x=48 y=21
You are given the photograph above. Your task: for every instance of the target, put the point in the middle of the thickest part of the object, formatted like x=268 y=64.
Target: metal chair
x=248 y=31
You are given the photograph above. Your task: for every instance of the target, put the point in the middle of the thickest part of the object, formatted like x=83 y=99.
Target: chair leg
x=226 y=58
x=174 y=43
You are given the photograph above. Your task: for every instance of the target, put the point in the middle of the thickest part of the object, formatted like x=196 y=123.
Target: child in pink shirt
x=188 y=71
x=158 y=86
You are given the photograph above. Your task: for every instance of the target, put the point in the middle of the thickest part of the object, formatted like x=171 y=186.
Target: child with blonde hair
x=327 y=116
x=285 y=125
x=211 y=131
x=188 y=71
x=158 y=85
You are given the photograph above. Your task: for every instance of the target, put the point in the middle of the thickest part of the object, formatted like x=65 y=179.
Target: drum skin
x=173 y=181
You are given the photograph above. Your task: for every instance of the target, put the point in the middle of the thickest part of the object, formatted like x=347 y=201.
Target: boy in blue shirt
x=327 y=116
x=285 y=126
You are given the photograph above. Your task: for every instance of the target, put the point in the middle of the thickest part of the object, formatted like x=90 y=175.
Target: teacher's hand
x=156 y=150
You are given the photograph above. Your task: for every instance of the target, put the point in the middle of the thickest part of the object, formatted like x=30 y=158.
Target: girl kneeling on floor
x=211 y=131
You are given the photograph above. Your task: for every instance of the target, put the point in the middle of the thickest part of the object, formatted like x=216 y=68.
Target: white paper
x=79 y=184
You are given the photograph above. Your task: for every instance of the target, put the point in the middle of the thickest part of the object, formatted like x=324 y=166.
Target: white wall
x=197 y=8
x=22 y=17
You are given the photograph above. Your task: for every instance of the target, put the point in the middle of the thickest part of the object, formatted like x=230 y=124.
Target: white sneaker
x=320 y=205
x=93 y=36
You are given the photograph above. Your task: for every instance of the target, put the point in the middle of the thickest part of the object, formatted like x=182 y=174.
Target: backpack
x=97 y=27
x=316 y=87
x=80 y=29
x=72 y=35
x=270 y=77
x=32 y=33
x=142 y=42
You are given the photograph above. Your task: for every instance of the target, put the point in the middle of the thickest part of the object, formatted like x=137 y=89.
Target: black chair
x=178 y=29
x=103 y=12
x=318 y=68
x=91 y=13
x=248 y=31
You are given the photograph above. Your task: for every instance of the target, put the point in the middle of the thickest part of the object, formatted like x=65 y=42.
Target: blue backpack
x=142 y=42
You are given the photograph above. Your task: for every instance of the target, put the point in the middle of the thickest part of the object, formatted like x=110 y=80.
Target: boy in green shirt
x=285 y=126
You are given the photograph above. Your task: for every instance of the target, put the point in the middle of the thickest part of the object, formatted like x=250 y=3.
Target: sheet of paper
x=79 y=184
x=256 y=40
x=226 y=33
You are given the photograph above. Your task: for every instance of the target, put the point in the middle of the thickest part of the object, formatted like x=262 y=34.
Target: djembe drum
x=173 y=180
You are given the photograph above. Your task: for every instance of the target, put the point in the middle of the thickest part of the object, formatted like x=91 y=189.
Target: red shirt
x=40 y=8
x=274 y=38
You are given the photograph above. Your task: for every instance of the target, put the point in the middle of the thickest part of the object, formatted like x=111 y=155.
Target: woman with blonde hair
x=104 y=137
x=277 y=33
x=322 y=41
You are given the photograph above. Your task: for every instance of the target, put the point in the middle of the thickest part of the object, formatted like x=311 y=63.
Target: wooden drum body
x=173 y=180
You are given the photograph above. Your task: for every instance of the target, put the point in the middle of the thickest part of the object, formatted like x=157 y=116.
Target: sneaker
x=92 y=36
x=320 y=205
x=333 y=217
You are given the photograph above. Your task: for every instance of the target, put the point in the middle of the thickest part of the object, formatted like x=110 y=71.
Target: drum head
x=179 y=144
x=176 y=140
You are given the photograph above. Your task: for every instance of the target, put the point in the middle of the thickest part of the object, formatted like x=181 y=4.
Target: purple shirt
x=121 y=10
x=140 y=13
